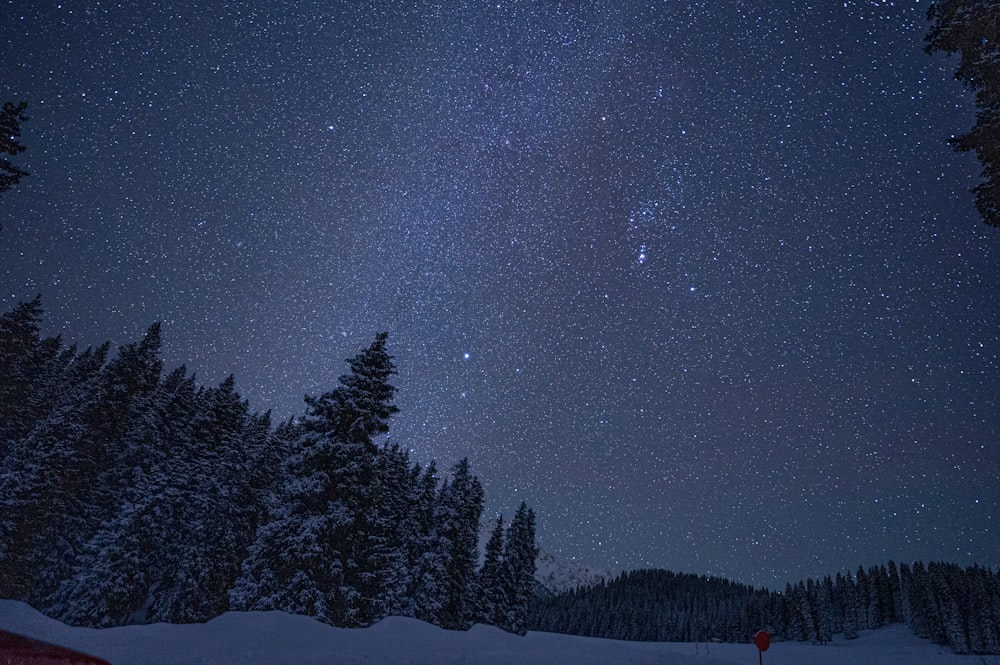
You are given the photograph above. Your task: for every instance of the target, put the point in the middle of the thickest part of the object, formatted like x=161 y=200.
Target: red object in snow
x=762 y=640
x=20 y=650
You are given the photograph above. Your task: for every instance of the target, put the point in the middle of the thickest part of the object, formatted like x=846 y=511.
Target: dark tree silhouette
x=11 y=118
x=971 y=28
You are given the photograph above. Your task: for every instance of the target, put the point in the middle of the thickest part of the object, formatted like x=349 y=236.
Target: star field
x=700 y=281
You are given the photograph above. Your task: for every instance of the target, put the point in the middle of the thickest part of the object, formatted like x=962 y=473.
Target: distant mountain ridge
x=553 y=576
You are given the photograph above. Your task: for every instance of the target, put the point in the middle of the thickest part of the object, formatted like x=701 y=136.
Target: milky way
x=700 y=281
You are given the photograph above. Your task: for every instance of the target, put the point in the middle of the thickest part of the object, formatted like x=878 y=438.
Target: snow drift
x=276 y=638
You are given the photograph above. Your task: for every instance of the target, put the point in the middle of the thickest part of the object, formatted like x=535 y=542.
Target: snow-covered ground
x=275 y=638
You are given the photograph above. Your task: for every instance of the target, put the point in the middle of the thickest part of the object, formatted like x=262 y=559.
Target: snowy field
x=275 y=638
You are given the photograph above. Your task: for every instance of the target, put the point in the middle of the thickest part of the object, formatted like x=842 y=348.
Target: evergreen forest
x=133 y=495
x=948 y=604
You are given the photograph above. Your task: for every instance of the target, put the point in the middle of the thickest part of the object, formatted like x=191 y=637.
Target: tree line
x=130 y=495
x=948 y=604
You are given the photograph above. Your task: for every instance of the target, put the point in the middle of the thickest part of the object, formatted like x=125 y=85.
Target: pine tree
x=862 y=584
x=801 y=624
x=942 y=579
x=985 y=611
x=520 y=554
x=924 y=617
x=492 y=603
x=823 y=610
x=391 y=534
x=895 y=591
x=11 y=117
x=311 y=557
x=428 y=552
x=905 y=586
x=851 y=611
x=460 y=506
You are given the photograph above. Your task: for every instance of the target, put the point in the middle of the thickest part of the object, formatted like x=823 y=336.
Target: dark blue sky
x=700 y=281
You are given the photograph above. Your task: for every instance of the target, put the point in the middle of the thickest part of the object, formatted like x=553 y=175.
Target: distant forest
x=132 y=496
x=942 y=602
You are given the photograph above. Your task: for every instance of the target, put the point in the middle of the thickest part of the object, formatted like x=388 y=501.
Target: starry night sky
x=700 y=281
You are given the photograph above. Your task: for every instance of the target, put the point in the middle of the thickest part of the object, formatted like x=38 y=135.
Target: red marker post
x=762 y=640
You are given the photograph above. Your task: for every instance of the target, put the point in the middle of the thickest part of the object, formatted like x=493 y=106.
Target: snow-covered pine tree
x=946 y=581
x=115 y=438
x=823 y=610
x=925 y=621
x=428 y=551
x=410 y=538
x=799 y=617
x=388 y=540
x=864 y=583
x=928 y=617
x=520 y=553
x=905 y=582
x=894 y=600
x=984 y=636
x=879 y=597
x=460 y=506
x=492 y=603
x=849 y=595
x=310 y=558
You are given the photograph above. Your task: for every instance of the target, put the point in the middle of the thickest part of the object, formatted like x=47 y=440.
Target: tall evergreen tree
x=460 y=506
x=392 y=531
x=895 y=591
x=11 y=117
x=924 y=618
x=493 y=585
x=800 y=618
x=520 y=554
x=312 y=557
x=945 y=585
x=984 y=636
x=428 y=551
x=823 y=610
x=905 y=584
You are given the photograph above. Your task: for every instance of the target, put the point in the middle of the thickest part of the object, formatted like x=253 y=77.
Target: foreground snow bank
x=276 y=638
